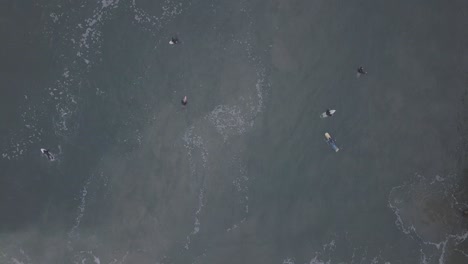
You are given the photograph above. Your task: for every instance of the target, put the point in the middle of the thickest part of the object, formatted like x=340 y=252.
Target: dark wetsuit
x=183 y=102
x=49 y=156
x=361 y=70
x=328 y=113
x=175 y=40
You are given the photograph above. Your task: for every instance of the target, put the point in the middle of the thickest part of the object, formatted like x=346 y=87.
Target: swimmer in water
x=174 y=40
x=360 y=70
x=184 y=100
x=47 y=153
x=465 y=213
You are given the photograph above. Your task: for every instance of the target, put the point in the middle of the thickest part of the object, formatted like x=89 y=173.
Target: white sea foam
x=22 y=139
x=241 y=185
x=54 y=17
x=288 y=261
x=81 y=210
x=88 y=256
x=426 y=209
x=235 y=120
x=14 y=255
x=196 y=151
x=153 y=24
x=89 y=49
x=120 y=261
x=193 y=142
x=229 y=120
x=196 y=224
x=15 y=261
x=87 y=45
x=108 y=3
x=326 y=254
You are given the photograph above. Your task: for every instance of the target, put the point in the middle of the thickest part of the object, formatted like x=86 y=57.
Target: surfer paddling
x=184 y=101
x=361 y=70
x=174 y=40
x=331 y=141
x=328 y=113
x=47 y=153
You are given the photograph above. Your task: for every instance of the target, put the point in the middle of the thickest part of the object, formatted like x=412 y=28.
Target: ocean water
x=242 y=174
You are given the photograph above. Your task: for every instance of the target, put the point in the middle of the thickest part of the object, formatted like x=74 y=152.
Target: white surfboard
x=324 y=114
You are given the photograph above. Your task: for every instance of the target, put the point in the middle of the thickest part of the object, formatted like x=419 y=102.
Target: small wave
x=29 y=133
x=17 y=256
x=229 y=120
x=154 y=24
x=196 y=152
x=238 y=118
x=196 y=224
x=235 y=120
x=193 y=142
x=81 y=210
x=241 y=185
x=86 y=257
x=326 y=254
x=88 y=48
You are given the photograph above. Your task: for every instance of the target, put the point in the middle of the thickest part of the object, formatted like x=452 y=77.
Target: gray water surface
x=242 y=174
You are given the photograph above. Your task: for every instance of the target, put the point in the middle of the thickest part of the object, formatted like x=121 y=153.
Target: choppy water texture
x=242 y=173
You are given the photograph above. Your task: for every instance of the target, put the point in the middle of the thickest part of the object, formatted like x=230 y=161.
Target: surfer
x=184 y=100
x=465 y=213
x=360 y=70
x=328 y=112
x=331 y=141
x=47 y=153
x=174 y=40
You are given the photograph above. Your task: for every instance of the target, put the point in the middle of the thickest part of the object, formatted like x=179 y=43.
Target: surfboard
x=324 y=114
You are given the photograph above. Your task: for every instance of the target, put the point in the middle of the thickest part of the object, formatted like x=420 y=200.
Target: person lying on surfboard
x=174 y=40
x=331 y=141
x=328 y=113
x=184 y=100
x=47 y=153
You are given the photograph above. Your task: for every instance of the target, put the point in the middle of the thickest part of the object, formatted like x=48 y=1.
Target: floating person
x=49 y=155
x=360 y=71
x=328 y=113
x=184 y=100
x=331 y=142
x=174 y=40
x=465 y=213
